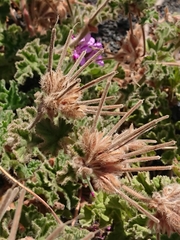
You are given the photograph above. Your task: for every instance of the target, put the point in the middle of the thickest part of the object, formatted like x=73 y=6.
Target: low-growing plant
x=89 y=143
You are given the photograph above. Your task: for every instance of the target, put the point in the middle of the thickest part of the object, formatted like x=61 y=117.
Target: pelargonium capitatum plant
x=89 y=138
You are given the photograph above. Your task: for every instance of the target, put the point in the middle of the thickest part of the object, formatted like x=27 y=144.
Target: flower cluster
x=91 y=47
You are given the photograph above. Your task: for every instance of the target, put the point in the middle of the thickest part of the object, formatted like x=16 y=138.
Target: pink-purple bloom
x=93 y=194
x=89 y=45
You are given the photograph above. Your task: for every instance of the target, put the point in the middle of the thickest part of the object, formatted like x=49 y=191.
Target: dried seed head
x=61 y=96
x=63 y=93
x=44 y=13
x=97 y=160
x=167 y=205
x=131 y=54
x=109 y=156
x=132 y=48
x=105 y=157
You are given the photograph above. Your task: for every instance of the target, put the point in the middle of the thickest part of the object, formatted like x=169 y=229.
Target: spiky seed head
x=108 y=156
x=60 y=96
x=52 y=82
x=167 y=205
x=99 y=160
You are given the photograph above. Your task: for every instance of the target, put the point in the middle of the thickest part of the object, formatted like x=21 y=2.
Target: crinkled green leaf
x=54 y=137
x=11 y=97
x=138 y=229
x=66 y=174
x=6 y=117
x=95 y=210
x=4 y=9
x=50 y=182
x=73 y=233
x=44 y=187
x=34 y=57
x=12 y=39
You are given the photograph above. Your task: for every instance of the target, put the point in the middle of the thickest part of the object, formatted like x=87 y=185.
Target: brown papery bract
x=130 y=56
x=132 y=48
x=41 y=15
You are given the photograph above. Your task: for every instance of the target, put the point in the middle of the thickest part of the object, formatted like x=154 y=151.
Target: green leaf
x=73 y=233
x=34 y=60
x=11 y=39
x=6 y=117
x=138 y=229
x=12 y=98
x=54 y=137
x=4 y=9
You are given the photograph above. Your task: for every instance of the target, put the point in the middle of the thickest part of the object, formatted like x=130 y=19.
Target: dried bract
x=132 y=48
x=167 y=206
x=42 y=15
x=130 y=55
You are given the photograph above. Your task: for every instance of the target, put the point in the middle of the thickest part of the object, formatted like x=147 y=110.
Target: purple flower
x=93 y=194
x=89 y=45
